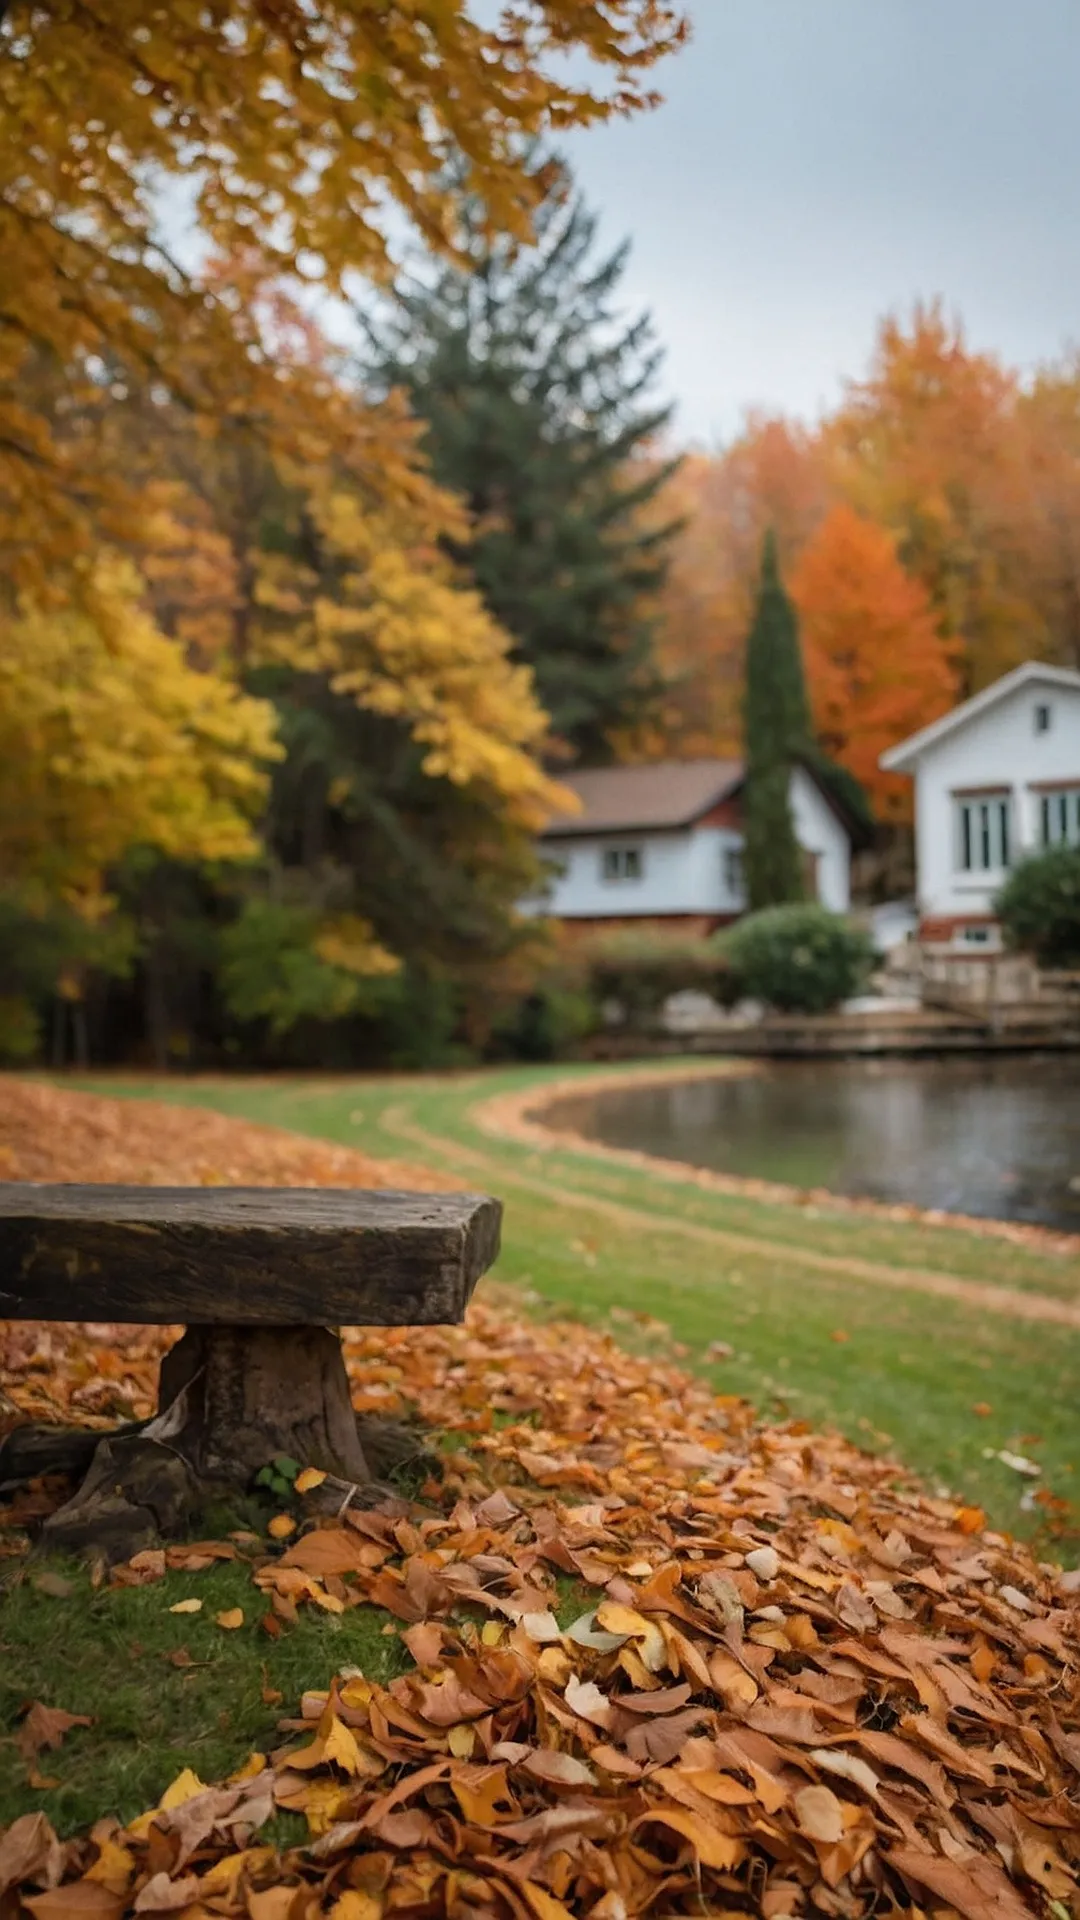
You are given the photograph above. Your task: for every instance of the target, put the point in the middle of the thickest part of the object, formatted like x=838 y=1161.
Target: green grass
x=912 y=1368
x=906 y=1378
x=106 y=1653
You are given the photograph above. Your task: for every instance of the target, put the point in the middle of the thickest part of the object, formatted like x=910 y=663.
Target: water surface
x=997 y=1137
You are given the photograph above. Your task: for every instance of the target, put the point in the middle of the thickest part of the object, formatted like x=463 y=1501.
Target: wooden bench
x=261 y=1278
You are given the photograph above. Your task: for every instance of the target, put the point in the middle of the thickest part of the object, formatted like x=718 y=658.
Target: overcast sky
x=817 y=162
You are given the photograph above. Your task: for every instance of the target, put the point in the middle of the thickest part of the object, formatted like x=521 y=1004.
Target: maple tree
x=292 y=128
x=877 y=667
x=1049 y=529
x=926 y=446
x=772 y=476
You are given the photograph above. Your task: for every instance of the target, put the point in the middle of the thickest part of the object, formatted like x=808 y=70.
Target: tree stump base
x=230 y=1399
x=260 y=1276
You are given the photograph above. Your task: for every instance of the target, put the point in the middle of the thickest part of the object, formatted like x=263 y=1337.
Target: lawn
x=892 y=1366
x=668 y=1269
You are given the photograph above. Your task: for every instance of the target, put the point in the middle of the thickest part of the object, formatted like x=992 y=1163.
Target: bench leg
x=230 y=1398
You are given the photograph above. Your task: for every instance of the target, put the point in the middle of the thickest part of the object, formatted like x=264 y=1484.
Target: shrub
x=641 y=970
x=800 y=959
x=548 y=1023
x=1039 y=907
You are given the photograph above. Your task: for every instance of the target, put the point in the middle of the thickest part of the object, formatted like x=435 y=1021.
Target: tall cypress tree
x=776 y=731
x=535 y=398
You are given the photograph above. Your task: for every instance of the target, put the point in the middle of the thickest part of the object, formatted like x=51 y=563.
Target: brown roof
x=672 y=793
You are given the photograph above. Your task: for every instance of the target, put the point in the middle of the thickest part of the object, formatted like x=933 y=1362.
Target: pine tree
x=535 y=402
x=777 y=731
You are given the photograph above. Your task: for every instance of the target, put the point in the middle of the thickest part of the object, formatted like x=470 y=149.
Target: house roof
x=903 y=758
x=671 y=793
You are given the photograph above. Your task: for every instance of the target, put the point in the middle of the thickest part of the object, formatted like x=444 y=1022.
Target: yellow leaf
x=187 y=1606
x=713 y=1849
x=223 y=1876
x=329 y=1602
x=311 y=1477
x=232 y=1618
x=281 y=1526
x=356 y=1905
x=461 y=1740
x=615 y=1618
x=341 y=1748
x=113 y=1868
x=186 y=1785
x=254 y=1764
x=544 y=1904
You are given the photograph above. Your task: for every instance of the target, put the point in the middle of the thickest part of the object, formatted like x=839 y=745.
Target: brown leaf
x=712 y=1849
x=977 y=1889
x=77 y=1898
x=819 y=1814
x=558 y=1769
x=46 y=1727
x=164 y=1895
x=29 y=1853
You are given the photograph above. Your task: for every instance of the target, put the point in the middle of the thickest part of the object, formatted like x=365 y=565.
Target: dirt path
x=1010 y=1301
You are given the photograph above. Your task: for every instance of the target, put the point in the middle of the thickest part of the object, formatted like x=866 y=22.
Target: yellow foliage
x=349 y=943
x=402 y=637
x=295 y=125
x=110 y=741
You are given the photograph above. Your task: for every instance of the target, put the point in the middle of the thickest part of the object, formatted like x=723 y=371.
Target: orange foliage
x=927 y=446
x=877 y=666
x=772 y=476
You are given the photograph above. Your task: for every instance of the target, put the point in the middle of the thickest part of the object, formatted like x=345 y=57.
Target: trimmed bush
x=799 y=959
x=549 y=1023
x=641 y=970
x=1039 y=907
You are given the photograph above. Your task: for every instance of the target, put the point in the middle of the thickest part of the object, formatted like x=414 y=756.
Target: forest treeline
x=296 y=638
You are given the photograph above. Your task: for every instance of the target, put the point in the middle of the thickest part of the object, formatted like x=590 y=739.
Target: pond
x=997 y=1136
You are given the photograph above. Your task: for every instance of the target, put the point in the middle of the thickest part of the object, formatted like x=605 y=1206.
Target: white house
x=663 y=844
x=996 y=779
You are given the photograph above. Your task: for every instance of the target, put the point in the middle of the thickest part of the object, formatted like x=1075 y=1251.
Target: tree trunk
x=230 y=1400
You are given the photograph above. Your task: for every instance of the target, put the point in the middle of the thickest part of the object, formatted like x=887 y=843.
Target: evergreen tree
x=535 y=400
x=777 y=732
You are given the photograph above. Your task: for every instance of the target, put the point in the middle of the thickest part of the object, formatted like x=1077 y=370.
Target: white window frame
x=1059 y=816
x=734 y=870
x=622 y=865
x=1044 y=716
x=982 y=832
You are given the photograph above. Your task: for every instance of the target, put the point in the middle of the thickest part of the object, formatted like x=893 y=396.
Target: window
x=1043 y=716
x=1059 y=818
x=734 y=877
x=982 y=833
x=621 y=863
x=976 y=936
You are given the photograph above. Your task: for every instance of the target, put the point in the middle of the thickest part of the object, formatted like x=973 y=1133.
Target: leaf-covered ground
x=818 y=1309
x=631 y=1650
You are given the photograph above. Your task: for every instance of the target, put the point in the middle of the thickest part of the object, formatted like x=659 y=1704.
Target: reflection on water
x=986 y=1136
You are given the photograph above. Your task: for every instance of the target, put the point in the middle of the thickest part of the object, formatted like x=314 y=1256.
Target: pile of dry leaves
x=47 y=1133
x=793 y=1686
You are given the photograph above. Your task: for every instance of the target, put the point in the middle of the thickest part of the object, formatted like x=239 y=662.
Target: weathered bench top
x=242 y=1256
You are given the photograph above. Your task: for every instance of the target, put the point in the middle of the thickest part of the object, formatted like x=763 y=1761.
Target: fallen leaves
x=45 y=1727
x=793 y=1686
